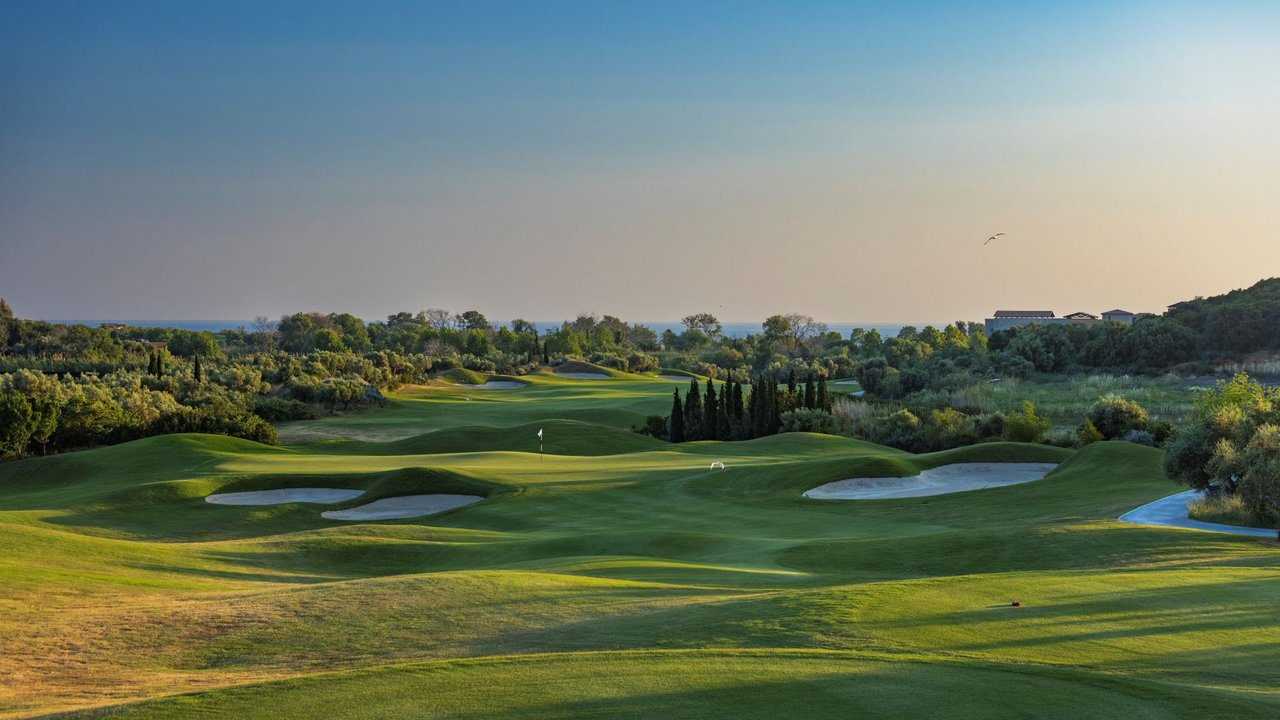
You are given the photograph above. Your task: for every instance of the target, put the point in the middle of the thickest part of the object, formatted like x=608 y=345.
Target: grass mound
x=616 y=576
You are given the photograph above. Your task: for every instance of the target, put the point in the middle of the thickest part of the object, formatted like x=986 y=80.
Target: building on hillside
x=158 y=345
x=1005 y=319
x=1120 y=316
x=1082 y=318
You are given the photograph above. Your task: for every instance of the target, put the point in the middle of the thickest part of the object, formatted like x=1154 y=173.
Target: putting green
x=615 y=575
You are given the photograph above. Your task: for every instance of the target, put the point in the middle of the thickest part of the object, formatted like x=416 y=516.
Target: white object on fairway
x=539 y=433
x=717 y=464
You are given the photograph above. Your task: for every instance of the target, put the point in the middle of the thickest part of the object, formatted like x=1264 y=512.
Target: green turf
x=615 y=576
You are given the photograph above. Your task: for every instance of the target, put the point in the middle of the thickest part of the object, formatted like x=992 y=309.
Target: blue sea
x=731 y=329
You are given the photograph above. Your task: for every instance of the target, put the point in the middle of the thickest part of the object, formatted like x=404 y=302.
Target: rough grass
x=1066 y=400
x=616 y=576
x=1228 y=510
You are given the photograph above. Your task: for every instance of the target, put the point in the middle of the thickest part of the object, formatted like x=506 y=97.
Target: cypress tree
x=151 y=364
x=160 y=363
x=693 y=412
x=791 y=384
x=198 y=371
x=824 y=400
x=737 y=401
x=710 y=410
x=775 y=410
x=724 y=418
x=809 y=398
x=677 y=418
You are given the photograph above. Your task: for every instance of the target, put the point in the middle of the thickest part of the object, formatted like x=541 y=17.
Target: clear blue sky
x=227 y=159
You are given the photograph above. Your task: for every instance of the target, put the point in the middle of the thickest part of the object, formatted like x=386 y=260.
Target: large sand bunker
x=958 y=477
x=684 y=378
x=494 y=385
x=406 y=506
x=583 y=376
x=325 y=496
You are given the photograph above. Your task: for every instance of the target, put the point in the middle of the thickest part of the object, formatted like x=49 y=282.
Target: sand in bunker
x=326 y=496
x=406 y=506
x=957 y=477
x=583 y=376
x=685 y=378
x=494 y=385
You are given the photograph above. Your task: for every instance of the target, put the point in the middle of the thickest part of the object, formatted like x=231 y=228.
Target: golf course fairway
x=613 y=575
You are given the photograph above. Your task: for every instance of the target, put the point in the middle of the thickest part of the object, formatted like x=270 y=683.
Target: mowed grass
x=613 y=576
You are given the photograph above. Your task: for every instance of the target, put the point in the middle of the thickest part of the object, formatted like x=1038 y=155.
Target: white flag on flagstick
x=539 y=433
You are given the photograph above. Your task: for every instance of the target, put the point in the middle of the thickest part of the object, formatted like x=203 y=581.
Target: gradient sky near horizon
x=202 y=160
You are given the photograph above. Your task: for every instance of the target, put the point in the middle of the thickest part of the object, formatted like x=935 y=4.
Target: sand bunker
x=1172 y=512
x=846 y=382
x=682 y=378
x=958 y=477
x=583 y=376
x=406 y=506
x=325 y=496
x=494 y=385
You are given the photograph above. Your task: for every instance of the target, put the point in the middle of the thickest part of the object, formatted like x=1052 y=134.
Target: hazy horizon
x=199 y=161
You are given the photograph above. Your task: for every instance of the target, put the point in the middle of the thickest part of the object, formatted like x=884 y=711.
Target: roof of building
x=1080 y=316
x=1024 y=314
x=1117 y=312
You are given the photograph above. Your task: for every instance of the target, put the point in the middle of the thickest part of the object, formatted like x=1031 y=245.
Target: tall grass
x=1065 y=401
x=1228 y=510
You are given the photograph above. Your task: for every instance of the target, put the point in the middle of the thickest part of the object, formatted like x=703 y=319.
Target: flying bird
x=993 y=237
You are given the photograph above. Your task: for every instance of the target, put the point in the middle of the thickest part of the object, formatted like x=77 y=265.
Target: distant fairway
x=617 y=576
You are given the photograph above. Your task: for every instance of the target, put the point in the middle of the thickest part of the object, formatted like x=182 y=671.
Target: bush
x=809 y=420
x=1115 y=416
x=278 y=409
x=1087 y=434
x=1140 y=437
x=654 y=426
x=1025 y=426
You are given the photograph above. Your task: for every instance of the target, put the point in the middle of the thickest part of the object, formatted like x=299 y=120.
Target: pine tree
x=693 y=412
x=737 y=401
x=151 y=364
x=710 y=410
x=197 y=371
x=824 y=400
x=809 y=398
x=677 y=418
x=791 y=383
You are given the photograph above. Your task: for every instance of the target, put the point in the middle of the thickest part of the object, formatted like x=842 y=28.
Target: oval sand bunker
x=958 y=477
x=406 y=506
x=325 y=496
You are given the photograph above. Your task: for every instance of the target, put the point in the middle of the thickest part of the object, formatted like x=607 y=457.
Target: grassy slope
x=616 y=576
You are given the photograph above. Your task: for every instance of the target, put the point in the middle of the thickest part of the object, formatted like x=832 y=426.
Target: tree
x=704 y=322
x=677 y=418
x=1114 y=416
x=824 y=399
x=1260 y=479
x=198 y=372
x=436 y=318
x=693 y=412
x=710 y=413
x=6 y=319
x=1025 y=426
x=473 y=320
x=45 y=412
x=326 y=339
x=809 y=393
x=17 y=423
